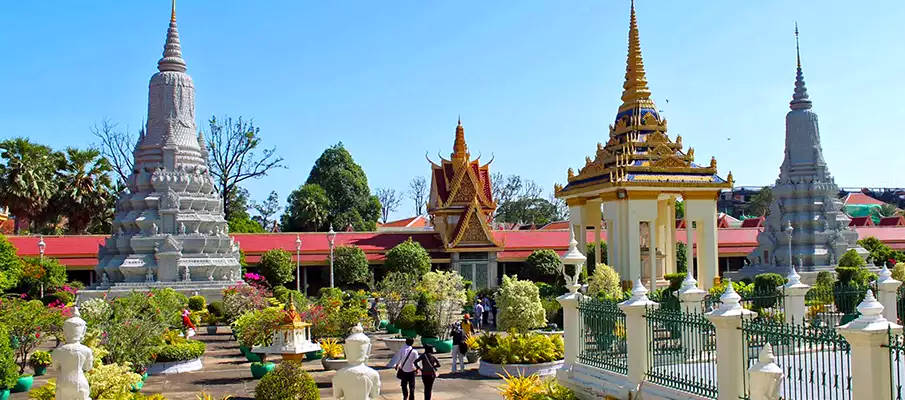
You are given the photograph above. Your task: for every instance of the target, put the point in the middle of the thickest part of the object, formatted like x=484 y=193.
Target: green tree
x=10 y=265
x=680 y=209
x=520 y=307
x=760 y=203
x=308 y=209
x=29 y=322
x=37 y=273
x=276 y=266
x=267 y=209
x=681 y=261
x=592 y=256
x=236 y=156
x=27 y=178
x=8 y=372
x=879 y=253
x=851 y=259
x=85 y=187
x=408 y=257
x=605 y=282
x=245 y=225
x=236 y=204
x=534 y=211
x=346 y=186
x=541 y=266
x=350 y=265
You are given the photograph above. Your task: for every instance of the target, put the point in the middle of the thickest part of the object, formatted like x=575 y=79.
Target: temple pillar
x=689 y=245
x=704 y=212
x=671 y=235
x=614 y=237
x=576 y=221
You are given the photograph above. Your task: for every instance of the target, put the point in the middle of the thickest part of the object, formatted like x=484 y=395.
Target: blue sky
x=536 y=81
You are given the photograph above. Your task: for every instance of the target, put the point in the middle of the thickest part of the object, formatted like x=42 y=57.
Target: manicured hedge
x=188 y=350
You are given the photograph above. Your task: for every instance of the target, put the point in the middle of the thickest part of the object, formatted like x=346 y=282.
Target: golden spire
x=460 y=148
x=173 y=12
x=635 y=91
x=797 y=49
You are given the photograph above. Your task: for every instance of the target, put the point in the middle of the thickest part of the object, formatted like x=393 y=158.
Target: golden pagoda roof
x=639 y=152
x=459 y=180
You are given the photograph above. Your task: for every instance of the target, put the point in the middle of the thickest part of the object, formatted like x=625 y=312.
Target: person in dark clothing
x=428 y=365
x=404 y=363
x=486 y=316
x=493 y=310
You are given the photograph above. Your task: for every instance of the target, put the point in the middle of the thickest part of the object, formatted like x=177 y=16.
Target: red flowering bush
x=31 y=323
x=240 y=299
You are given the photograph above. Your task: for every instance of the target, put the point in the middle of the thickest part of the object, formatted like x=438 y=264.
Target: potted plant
x=443 y=295
x=39 y=361
x=397 y=288
x=257 y=331
x=211 y=321
x=518 y=354
x=407 y=321
x=334 y=358
x=471 y=355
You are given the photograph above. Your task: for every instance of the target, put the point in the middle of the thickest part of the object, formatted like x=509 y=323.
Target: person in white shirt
x=478 y=312
x=405 y=368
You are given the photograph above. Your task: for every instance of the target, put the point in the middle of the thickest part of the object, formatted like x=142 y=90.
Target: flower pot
x=243 y=349
x=144 y=376
x=39 y=371
x=331 y=364
x=136 y=387
x=259 y=369
x=443 y=346
x=212 y=329
x=471 y=356
x=429 y=341
x=4 y=394
x=392 y=328
x=410 y=333
x=383 y=324
x=252 y=357
x=23 y=384
x=314 y=355
x=394 y=344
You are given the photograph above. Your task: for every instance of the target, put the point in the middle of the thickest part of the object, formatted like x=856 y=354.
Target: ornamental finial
x=634 y=91
x=172 y=50
x=460 y=148
x=173 y=12
x=800 y=99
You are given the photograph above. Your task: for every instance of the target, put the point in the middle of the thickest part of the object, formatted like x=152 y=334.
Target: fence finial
x=730 y=299
x=794 y=278
x=638 y=289
x=884 y=275
x=870 y=308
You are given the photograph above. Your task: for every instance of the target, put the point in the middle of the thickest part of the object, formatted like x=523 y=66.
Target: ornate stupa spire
x=460 y=148
x=800 y=100
x=172 y=50
x=635 y=92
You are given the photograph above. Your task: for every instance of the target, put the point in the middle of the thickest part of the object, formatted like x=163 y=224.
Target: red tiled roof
x=893 y=221
x=753 y=222
x=861 y=221
x=556 y=225
x=411 y=222
x=860 y=198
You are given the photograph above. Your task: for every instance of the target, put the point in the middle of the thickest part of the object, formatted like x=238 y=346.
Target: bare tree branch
x=389 y=202
x=116 y=146
x=234 y=155
x=418 y=193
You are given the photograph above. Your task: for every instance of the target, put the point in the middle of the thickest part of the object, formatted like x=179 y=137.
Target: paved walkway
x=226 y=372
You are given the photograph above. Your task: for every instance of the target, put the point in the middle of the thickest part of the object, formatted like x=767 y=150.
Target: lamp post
x=790 y=229
x=298 y=251
x=41 y=247
x=331 y=236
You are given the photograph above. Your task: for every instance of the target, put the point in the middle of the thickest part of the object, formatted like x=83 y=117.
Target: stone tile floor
x=226 y=372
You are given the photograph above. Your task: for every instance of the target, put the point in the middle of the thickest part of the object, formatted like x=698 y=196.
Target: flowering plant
x=253 y=278
x=39 y=359
x=240 y=299
x=519 y=305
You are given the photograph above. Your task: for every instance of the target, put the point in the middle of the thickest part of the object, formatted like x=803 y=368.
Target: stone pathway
x=226 y=372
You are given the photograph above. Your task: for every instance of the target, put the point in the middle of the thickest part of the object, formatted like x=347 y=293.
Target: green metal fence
x=815 y=359
x=602 y=326
x=896 y=364
x=682 y=351
x=832 y=306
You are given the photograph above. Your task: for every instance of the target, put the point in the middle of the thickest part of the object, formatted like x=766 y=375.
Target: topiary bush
x=197 y=303
x=765 y=293
x=276 y=266
x=850 y=288
x=408 y=257
x=217 y=308
x=407 y=318
x=851 y=259
x=8 y=367
x=605 y=282
x=288 y=381
x=541 y=266
x=350 y=265
x=184 y=351
x=519 y=306
x=10 y=265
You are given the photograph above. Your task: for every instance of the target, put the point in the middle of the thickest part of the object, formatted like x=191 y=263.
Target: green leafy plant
x=217 y=308
x=197 y=303
x=30 y=323
x=238 y=300
x=519 y=306
x=59 y=296
x=550 y=389
x=112 y=381
x=332 y=349
x=852 y=259
x=10 y=265
x=397 y=289
x=553 y=310
x=8 y=368
x=446 y=292
x=288 y=381
x=350 y=265
x=256 y=327
x=605 y=281
x=517 y=348
x=184 y=351
x=276 y=266
x=38 y=272
x=408 y=257
x=39 y=359
x=542 y=265
x=407 y=318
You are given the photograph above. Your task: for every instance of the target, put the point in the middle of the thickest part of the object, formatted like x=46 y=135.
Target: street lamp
x=790 y=229
x=298 y=251
x=41 y=247
x=330 y=237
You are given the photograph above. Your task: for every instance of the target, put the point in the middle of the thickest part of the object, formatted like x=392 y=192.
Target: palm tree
x=85 y=188
x=27 y=172
x=886 y=210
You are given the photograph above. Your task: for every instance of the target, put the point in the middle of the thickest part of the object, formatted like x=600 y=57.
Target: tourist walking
x=187 y=322
x=478 y=312
x=374 y=314
x=466 y=326
x=458 y=345
x=493 y=310
x=428 y=365
x=405 y=368
x=486 y=315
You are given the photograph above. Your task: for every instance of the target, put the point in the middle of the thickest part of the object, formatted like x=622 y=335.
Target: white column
x=689 y=243
x=888 y=290
x=652 y=250
x=871 y=376
x=730 y=361
x=625 y=258
x=571 y=334
x=690 y=295
x=597 y=251
x=613 y=237
x=794 y=292
x=671 y=232
x=576 y=220
x=765 y=376
x=636 y=332
x=707 y=249
x=633 y=242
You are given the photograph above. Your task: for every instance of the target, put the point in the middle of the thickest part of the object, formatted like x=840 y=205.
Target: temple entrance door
x=475 y=267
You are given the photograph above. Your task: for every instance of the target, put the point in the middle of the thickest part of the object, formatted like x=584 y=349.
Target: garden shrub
x=197 y=303
x=397 y=289
x=256 y=327
x=543 y=265
x=827 y=279
x=446 y=293
x=592 y=261
x=10 y=265
x=131 y=341
x=280 y=293
x=546 y=290
x=675 y=280
x=37 y=271
x=112 y=381
x=898 y=272
x=407 y=318
x=408 y=257
x=60 y=296
x=288 y=381
x=240 y=299
x=850 y=288
x=184 y=351
x=766 y=294
x=605 y=281
x=743 y=289
x=350 y=265
x=517 y=348
x=552 y=310
x=519 y=306
x=217 y=308
x=8 y=368
x=276 y=266
x=851 y=259
x=30 y=323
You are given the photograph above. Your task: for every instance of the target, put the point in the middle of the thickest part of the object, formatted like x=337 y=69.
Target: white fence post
x=570 y=327
x=794 y=292
x=636 y=332
x=690 y=295
x=730 y=360
x=888 y=294
x=765 y=376
x=869 y=366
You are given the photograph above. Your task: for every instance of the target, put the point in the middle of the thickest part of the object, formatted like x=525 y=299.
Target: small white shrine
x=292 y=338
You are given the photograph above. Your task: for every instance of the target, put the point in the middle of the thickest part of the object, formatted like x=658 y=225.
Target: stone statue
x=186 y=274
x=357 y=381
x=182 y=228
x=832 y=259
x=645 y=234
x=210 y=277
x=149 y=276
x=225 y=276
x=105 y=281
x=73 y=359
x=154 y=229
x=225 y=230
